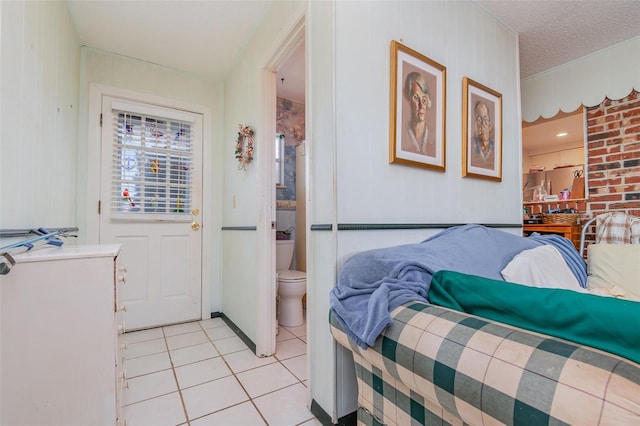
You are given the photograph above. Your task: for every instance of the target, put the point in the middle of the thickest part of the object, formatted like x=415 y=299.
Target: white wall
x=469 y=43
x=39 y=98
x=551 y=160
x=136 y=76
x=611 y=72
x=347 y=135
x=350 y=181
x=348 y=130
x=243 y=194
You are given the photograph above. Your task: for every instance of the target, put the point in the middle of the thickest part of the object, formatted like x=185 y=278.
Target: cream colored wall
x=557 y=158
x=469 y=43
x=242 y=200
x=39 y=120
x=325 y=375
x=347 y=137
x=350 y=178
x=611 y=72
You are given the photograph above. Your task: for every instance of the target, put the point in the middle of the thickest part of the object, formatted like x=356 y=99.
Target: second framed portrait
x=481 y=131
x=417 y=109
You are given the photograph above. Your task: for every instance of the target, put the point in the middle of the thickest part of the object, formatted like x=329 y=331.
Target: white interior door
x=151 y=198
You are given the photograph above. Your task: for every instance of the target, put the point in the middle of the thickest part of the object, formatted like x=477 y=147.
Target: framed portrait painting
x=481 y=131
x=417 y=109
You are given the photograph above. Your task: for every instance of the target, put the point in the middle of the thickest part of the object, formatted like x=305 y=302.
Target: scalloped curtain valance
x=610 y=73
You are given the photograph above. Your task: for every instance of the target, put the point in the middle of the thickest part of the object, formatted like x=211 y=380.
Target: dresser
x=571 y=232
x=59 y=343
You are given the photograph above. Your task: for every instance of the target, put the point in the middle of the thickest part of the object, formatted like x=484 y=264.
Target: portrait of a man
x=483 y=149
x=482 y=131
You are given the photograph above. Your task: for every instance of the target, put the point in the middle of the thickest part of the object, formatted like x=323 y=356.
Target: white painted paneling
x=239 y=289
x=323 y=366
x=350 y=131
x=245 y=192
x=612 y=73
x=412 y=194
x=39 y=86
x=321 y=117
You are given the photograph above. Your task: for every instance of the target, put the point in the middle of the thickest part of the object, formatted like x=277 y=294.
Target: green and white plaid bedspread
x=433 y=365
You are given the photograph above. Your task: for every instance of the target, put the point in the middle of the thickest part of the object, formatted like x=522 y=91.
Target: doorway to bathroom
x=272 y=88
x=290 y=166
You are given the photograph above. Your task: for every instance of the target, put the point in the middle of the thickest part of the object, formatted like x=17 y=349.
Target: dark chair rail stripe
x=239 y=228
x=396 y=226
x=380 y=226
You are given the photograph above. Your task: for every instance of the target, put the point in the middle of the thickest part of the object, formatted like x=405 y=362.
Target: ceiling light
x=561 y=134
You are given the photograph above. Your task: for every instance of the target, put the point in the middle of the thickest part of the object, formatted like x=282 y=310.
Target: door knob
x=195 y=226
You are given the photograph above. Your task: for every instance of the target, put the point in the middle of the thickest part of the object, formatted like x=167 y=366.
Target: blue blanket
x=373 y=283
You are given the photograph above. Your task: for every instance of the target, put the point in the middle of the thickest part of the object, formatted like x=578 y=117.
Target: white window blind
x=152 y=167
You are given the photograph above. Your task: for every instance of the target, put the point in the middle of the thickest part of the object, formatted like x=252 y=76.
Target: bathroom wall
x=289 y=122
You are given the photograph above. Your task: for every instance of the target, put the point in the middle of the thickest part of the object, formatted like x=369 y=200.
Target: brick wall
x=613 y=168
x=613 y=143
x=613 y=162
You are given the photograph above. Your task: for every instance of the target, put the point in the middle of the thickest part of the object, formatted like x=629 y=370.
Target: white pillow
x=612 y=265
x=543 y=267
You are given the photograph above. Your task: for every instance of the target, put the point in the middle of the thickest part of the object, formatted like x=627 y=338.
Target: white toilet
x=292 y=285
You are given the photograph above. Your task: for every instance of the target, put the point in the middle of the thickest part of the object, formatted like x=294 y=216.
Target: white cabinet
x=59 y=337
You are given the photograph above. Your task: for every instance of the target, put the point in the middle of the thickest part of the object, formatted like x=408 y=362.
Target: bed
x=439 y=336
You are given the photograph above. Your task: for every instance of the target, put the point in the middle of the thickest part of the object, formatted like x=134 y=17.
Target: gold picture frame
x=417 y=109
x=481 y=131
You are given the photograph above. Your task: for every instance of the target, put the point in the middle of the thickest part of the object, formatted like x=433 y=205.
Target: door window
x=152 y=168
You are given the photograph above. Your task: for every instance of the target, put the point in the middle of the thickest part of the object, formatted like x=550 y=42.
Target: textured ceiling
x=556 y=32
x=206 y=37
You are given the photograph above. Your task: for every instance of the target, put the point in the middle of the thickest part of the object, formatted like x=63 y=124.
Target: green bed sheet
x=606 y=323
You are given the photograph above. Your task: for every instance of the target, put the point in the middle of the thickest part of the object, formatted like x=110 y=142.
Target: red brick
x=606 y=197
x=631 y=130
x=592 y=113
x=625 y=205
x=597 y=206
x=628 y=155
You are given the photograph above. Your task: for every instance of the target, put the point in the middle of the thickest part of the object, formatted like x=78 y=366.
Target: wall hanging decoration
x=244 y=146
x=481 y=131
x=417 y=105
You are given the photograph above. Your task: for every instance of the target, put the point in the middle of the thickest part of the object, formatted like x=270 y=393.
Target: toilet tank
x=284 y=254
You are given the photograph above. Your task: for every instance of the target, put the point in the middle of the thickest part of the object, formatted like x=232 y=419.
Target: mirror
x=279 y=154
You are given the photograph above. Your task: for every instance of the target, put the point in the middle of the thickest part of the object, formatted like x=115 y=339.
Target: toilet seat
x=291 y=276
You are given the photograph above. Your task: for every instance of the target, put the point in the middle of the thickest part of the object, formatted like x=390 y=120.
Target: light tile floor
x=201 y=373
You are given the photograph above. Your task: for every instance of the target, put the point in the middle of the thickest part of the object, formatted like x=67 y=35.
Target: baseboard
x=236 y=330
x=324 y=417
